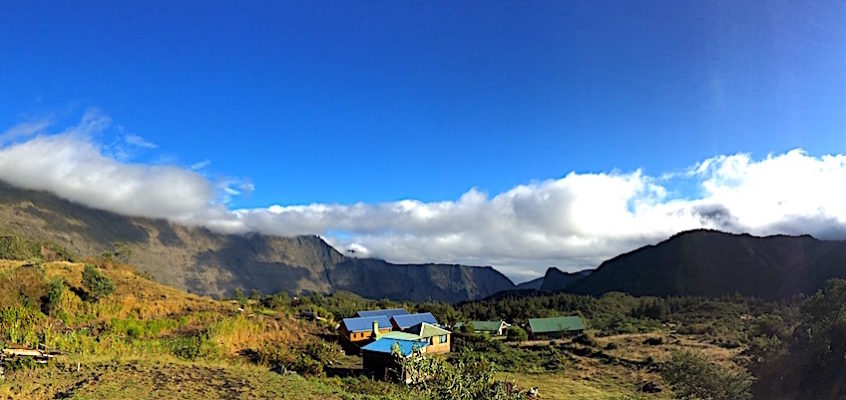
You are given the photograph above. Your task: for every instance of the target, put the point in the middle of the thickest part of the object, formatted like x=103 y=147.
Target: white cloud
x=200 y=165
x=23 y=131
x=73 y=166
x=573 y=222
x=138 y=141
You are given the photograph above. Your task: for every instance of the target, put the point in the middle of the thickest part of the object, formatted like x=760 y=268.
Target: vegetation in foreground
x=126 y=336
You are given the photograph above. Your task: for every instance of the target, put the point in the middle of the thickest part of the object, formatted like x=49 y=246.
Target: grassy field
x=145 y=379
x=148 y=340
x=610 y=370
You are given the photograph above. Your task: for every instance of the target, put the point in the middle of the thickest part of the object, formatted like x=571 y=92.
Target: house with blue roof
x=364 y=329
x=389 y=312
x=403 y=322
x=378 y=359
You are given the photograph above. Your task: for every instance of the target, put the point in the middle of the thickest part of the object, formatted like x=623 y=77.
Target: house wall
x=356 y=337
x=555 y=335
x=438 y=347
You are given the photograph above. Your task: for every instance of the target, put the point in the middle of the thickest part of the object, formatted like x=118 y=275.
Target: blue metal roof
x=390 y=312
x=366 y=323
x=405 y=321
x=384 y=345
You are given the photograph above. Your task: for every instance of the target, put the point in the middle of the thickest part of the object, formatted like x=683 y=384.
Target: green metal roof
x=556 y=324
x=400 y=335
x=425 y=330
x=486 y=326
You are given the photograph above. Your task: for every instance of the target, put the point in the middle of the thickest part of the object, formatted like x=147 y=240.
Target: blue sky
x=515 y=134
x=378 y=101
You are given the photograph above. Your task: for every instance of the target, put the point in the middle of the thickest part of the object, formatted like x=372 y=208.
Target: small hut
x=556 y=327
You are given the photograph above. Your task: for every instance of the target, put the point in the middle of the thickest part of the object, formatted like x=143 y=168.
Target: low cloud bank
x=571 y=222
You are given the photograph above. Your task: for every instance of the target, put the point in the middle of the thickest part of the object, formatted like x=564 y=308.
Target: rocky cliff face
x=215 y=264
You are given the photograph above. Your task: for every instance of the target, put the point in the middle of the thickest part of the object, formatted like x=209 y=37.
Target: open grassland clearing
x=612 y=367
x=146 y=379
x=138 y=338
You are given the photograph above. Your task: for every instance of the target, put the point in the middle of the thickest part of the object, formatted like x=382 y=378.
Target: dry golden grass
x=144 y=379
x=594 y=378
x=633 y=346
x=136 y=295
x=145 y=364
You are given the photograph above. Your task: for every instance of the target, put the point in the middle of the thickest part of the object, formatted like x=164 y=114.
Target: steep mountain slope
x=555 y=279
x=207 y=262
x=532 y=284
x=711 y=263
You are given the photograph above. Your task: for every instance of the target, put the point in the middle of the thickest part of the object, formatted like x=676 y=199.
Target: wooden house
x=388 y=312
x=493 y=328
x=363 y=329
x=555 y=327
x=437 y=339
x=403 y=322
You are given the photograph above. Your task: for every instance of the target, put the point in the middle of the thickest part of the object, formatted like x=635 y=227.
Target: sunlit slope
x=206 y=262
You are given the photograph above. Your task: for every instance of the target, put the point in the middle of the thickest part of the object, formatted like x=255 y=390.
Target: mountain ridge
x=207 y=262
x=712 y=263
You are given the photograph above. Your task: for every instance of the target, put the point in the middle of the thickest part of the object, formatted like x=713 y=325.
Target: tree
x=810 y=364
x=517 y=334
x=97 y=284
x=467 y=328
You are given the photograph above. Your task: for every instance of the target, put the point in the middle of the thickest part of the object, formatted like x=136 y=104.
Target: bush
x=240 y=297
x=467 y=328
x=517 y=334
x=97 y=284
x=53 y=299
x=468 y=376
x=307 y=366
x=585 y=339
x=693 y=377
x=193 y=347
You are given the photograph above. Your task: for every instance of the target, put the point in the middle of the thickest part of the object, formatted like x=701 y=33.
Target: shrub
x=278 y=301
x=97 y=284
x=307 y=366
x=467 y=328
x=193 y=347
x=693 y=377
x=240 y=297
x=277 y=357
x=586 y=339
x=55 y=293
x=517 y=334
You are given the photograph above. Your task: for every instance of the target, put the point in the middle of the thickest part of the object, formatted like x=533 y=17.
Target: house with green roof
x=437 y=339
x=493 y=328
x=556 y=327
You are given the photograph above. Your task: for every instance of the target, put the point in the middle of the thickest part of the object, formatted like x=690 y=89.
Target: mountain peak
x=713 y=263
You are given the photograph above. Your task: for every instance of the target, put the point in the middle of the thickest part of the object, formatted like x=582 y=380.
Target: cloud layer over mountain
x=572 y=222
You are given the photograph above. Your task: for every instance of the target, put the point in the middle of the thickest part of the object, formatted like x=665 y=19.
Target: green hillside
x=210 y=263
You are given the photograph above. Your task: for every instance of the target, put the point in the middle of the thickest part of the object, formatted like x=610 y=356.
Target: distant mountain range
x=711 y=263
x=699 y=262
x=206 y=262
